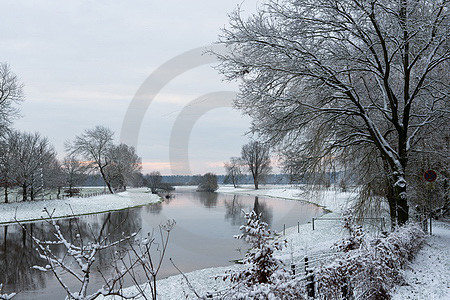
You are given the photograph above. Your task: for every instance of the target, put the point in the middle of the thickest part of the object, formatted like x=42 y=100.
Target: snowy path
x=33 y=210
x=428 y=276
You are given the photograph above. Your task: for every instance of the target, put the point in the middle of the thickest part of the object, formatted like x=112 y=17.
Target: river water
x=201 y=238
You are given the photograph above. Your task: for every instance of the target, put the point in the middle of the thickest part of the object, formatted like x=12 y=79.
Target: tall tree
x=324 y=78
x=93 y=145
x=10 y=94
x=256 y=157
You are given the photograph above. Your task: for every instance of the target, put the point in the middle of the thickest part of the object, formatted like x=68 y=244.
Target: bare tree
x=324 y=78
x=233 y=170
x=32 y=156
x=256 y=157
x=7 y=165
x=10 y=94
x=123 y=165
x=93 y=145
x=74 y=172
x=154 y=180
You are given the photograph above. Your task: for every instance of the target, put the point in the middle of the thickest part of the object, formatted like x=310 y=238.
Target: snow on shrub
x=265 y=278
x=368 y=268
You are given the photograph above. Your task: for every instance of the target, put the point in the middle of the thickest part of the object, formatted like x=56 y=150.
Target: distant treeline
x=330 y=178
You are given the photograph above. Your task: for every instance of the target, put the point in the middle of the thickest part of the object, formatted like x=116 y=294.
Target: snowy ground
x=33 y=210
x=427 y=276
x=316 y=244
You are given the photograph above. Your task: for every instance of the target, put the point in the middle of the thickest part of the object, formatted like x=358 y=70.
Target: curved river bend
x=202 y=237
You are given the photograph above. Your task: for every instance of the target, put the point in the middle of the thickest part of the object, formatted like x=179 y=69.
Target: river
x=201 y=238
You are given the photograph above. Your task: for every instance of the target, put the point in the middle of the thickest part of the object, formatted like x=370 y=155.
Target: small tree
x=208 y=183
x=154 y=180
x=233 y=170
x=264 y=277
x=74 y=172
x=256 y=157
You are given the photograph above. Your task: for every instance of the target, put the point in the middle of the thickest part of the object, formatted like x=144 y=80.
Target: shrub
x=208 y=183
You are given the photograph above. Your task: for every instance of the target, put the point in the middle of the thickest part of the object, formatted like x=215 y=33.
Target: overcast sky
x=82 y=63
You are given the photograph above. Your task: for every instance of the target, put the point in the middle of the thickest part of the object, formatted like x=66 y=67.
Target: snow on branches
x=80 y=255
x=265 y=277
x=5 y=296
x=368 y=268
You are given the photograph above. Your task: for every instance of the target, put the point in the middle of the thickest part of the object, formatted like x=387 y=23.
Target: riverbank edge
x=204 y=280
x=153 y=199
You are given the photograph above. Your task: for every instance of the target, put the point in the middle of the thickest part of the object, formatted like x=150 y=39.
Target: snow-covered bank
x=330 y=199
x=427 y=276
x=33 y=210
x=308 y=241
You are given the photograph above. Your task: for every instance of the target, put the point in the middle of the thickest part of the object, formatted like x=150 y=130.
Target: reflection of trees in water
x=208 y=199
x=263 y=209
x=233 y=211
x=17 y=257
x=154 y=208
x=18 y=254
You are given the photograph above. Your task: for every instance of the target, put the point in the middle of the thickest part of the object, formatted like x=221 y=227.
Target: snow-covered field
x=34 y=210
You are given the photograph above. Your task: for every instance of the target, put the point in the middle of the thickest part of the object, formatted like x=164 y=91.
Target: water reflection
x=202 y=238
x=18 y=254
x=208 y=199
x=233 y=211
x=17 y=257
x=261 y=208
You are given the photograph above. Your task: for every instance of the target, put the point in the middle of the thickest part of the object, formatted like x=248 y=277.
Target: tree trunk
x=400 y=197
x=255 y=180
x=106 y=181
x=6 y=193
x=24 y=192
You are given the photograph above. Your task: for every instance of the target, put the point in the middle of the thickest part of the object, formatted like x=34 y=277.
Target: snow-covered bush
x=264 y=278
x=5 y=296
x=373 y=268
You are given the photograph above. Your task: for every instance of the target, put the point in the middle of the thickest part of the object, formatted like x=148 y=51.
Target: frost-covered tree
x=33 y=155
x=323 y=79
x=93 y=145
x=10 y=94
x=256 y=158
x=7 y=165
x=263 y=276
x=233 y=170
